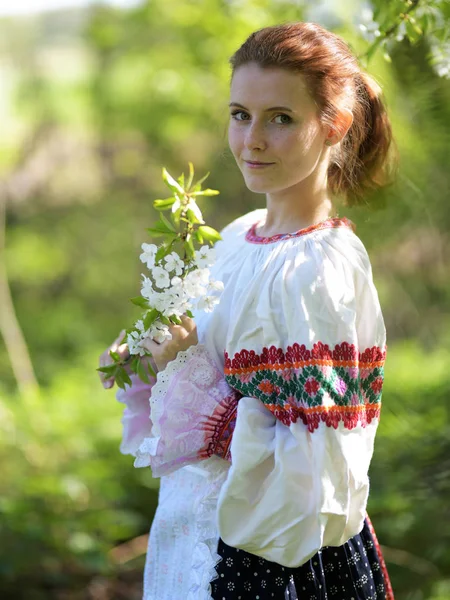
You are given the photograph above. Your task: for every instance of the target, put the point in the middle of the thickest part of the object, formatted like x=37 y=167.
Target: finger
x=188 y=323
x=121 y=336
x=152 y=346
x=123 y=351
x=187 y=320
x=117 y=341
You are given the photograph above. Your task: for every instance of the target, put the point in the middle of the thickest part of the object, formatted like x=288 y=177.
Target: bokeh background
x=94 y=100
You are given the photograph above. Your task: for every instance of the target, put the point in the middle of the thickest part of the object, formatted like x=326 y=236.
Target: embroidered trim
x=387 y=581
x=193 y=414
x=252 y=237
x=219 y=428
x=321 y=384
x=163 y=379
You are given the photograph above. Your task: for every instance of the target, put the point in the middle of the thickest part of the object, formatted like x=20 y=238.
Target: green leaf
x=209 y=233
x=126 y=377
x=189 y=314
x=151 y=370
x=206 y=192
x=155 y=232
x=164 y=204
x=192 y=217
x=164 y=225
x=191 y=176
x=413 y=31
x=140 y=301
x=161 y=253
x=150 y=318
x=189 y=248
x=141 y=371
x=134 y=364
x=198 y=184
x=114 y=356
x=120 y=379
x=164 y=320
x=109 y=370
x=181 y=180
x=176 y=319
x=171 y=182
x=176 y=216
x=167 y=223
x=198 y=236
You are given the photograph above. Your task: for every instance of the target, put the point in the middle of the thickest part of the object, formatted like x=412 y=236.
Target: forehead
x=258 y=88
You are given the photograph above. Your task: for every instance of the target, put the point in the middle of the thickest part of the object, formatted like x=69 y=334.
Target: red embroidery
x=333 y=222
x=318 y=385
x=312 y=386
x=387 y=581
x=219 y=428
x=343 y=355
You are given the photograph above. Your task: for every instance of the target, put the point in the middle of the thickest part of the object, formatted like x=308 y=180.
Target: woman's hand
x=183 y=336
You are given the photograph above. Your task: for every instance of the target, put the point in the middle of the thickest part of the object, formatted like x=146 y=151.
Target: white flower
x=205 y=257
x=401 y=31
x=174 y=263
x=207 y=303
x=147 y=290
x=176 y=283
x=140 y=325
x=216 y=286
x=195 y=282
x=134 y=340
x=369 y=28
x=160 y=332
x=161 y=277
x=160 y=300
x=199 y=276
x=370 y=31
x=149 y=254
x=441 y=58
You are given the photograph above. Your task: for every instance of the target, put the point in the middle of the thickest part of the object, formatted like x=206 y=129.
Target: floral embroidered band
x=219 y=428
x=321 y=384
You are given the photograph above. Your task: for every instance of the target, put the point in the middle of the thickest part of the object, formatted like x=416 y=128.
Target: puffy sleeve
x=136 y=424
x=193 y=412
x=309 y=411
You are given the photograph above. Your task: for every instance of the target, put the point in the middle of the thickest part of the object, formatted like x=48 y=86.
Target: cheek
x=234 y=139
x=304 y=143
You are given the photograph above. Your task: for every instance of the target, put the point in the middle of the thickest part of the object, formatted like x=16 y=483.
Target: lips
x=257 y=164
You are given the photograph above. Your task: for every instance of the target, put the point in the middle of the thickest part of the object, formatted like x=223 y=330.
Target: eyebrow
x=285 y=108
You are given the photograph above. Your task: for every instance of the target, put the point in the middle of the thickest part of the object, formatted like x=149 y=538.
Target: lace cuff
x=193 y=411
x=136 y=415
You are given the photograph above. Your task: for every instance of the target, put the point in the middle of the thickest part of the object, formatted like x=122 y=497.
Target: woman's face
x=274 y=132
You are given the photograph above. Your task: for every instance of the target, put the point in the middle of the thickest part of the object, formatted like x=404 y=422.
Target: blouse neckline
x=252 y=237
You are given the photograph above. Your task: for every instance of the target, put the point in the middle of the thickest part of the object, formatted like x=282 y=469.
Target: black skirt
x=353 y=571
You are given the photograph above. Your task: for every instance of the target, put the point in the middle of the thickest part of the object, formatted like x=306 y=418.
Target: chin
x=258 y=186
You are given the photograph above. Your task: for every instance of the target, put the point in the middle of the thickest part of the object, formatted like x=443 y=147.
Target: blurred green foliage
x=93 y=103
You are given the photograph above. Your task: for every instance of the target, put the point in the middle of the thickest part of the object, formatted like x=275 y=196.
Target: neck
x=304 y=204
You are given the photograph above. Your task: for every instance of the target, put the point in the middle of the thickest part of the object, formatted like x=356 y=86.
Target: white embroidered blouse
x=263 y=433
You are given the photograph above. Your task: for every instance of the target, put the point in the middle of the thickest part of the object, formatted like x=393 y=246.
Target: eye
x=240 y=115
x=283 y=119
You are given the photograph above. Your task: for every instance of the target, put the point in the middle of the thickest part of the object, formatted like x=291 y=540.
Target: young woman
x=262 y=420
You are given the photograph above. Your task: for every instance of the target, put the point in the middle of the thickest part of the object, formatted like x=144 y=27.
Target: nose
x=255 y=138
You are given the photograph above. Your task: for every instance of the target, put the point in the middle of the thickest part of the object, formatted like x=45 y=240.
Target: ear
x=341 y=125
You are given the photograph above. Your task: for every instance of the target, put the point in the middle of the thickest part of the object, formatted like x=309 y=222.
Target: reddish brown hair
x=361 y=161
